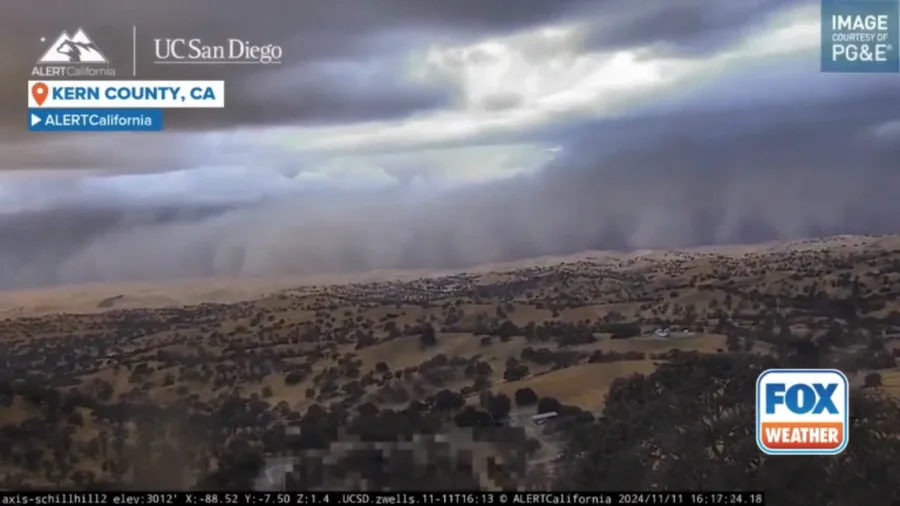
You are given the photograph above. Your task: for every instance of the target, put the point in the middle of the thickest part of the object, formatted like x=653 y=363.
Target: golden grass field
x=583 y=385
x=135 y=338
x=658 y=268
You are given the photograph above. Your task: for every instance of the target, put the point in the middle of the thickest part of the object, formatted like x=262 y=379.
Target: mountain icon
x=77 y=48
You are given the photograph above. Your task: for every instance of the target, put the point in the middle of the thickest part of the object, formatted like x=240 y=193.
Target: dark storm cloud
x=770 y=151
x=729 y=176
x=684 y=26
x=324 y=94
x=360 y=33
x=120 y=153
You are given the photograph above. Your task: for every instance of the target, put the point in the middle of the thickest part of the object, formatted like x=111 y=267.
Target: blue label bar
x=95 y=120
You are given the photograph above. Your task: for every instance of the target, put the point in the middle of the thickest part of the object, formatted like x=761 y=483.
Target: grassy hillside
x=103 y=394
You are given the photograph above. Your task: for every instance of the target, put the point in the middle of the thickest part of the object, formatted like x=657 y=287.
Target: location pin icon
x=39 y=93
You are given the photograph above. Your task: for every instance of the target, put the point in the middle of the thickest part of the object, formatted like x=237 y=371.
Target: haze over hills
x=99 y=297
x=430 y=135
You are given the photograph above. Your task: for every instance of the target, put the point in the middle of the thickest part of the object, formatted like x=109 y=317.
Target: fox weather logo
x=802 y=411
x=73 y=55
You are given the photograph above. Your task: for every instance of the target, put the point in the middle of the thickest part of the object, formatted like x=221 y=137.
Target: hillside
x=98 y=390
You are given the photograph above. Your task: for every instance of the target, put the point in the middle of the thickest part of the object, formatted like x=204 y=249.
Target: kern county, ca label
x=860 y=36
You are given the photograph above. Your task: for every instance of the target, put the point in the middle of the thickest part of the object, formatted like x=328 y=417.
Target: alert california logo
x=72 y=55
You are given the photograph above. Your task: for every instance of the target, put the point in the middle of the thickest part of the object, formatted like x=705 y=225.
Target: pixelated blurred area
x=486 y=458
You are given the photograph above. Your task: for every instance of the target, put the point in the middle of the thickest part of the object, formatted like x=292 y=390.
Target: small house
x=541 y=418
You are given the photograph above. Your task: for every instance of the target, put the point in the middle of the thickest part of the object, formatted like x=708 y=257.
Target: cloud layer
x=434 y=135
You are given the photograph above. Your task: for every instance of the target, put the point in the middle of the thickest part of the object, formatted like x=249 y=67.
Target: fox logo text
x=802 y=411
x=73 y=55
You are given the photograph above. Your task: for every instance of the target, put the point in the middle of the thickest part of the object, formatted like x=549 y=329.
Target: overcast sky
x=426 y=133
